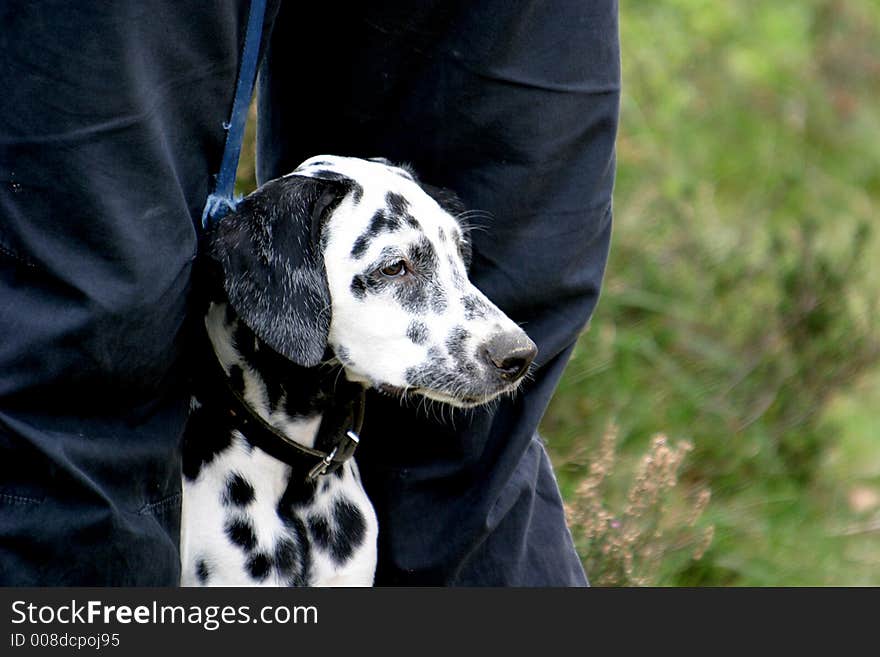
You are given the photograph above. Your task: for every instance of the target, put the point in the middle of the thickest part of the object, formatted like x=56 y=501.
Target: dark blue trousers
x=110 y=128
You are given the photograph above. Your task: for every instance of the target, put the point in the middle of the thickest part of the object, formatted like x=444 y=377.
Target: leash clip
x=320 y=468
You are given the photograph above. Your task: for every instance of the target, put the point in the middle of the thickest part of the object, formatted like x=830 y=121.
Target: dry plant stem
x=658 y=519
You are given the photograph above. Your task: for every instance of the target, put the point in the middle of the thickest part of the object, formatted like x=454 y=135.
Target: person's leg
x=514 y=105
x=110 y=127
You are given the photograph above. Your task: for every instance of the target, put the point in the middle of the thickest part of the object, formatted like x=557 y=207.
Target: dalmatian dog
x=344 y=275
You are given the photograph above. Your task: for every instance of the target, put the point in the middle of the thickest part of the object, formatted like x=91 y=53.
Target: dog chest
x=248 y=521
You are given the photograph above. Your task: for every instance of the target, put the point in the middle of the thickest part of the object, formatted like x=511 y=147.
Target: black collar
x=340 y=424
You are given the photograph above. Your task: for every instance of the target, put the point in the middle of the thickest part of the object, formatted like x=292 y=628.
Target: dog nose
x=511 y=354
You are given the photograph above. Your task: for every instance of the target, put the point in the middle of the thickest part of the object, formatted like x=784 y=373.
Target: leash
x=221 y=200
x=341 y=424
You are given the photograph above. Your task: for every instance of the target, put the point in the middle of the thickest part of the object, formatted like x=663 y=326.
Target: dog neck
x=291 y=399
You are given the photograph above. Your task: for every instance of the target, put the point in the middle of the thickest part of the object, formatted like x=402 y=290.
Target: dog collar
x=341 y=423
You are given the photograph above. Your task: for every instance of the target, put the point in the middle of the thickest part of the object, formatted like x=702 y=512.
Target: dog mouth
x=394 y=391
x=458 y=401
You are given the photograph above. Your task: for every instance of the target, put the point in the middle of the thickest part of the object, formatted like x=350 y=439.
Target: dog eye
x=394 y=271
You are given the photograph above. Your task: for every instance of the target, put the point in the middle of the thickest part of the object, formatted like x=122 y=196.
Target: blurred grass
x=739 y=307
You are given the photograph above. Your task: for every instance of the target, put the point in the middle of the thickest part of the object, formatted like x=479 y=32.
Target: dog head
x=360 y=258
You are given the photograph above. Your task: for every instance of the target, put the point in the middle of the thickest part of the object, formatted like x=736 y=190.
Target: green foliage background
x=739 y=307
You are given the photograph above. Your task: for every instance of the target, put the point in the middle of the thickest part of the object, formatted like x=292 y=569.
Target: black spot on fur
x=293 y=555
x=455 y=343
x=327 y=174
x=320 y=530
x=438 y=300
x=359 y=287
x=346 y=534
x=202 y=571
x=364 y=283
x=424 y=260
x=384 y=221
x=241 y=532
x=423 y=256
x=351 y=528
x=360 y=246
x=396 y=203
x=259 y=565
x=414 y=296
x=474 y=307
x=205 y=436
x=435 y=356
x=417 y=332
x=429 y=372
x=458 y=280
x=239 y=491
x=297 y=494
x=290 y=561
x=286 y=555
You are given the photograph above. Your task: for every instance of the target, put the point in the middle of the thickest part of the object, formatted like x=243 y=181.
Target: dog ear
x=270 y=257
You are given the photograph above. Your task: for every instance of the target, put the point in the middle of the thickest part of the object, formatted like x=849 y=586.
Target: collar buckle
x=348 y=447
x=321 y=467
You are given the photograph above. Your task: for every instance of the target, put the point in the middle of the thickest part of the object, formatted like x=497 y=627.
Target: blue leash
x=221 y=201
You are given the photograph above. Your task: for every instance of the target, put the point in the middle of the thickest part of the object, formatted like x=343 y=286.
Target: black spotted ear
x=269 y=253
